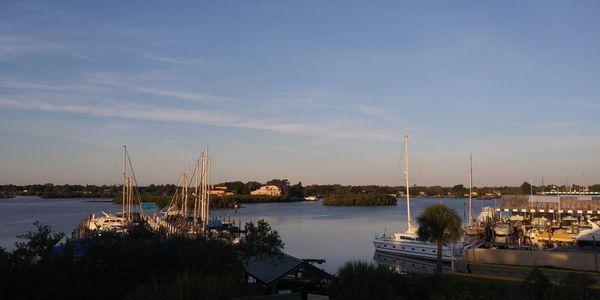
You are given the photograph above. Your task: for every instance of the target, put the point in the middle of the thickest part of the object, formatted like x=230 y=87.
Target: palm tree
x=439 y=224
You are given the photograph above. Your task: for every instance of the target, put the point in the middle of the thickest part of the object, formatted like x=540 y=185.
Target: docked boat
x=408 y=243
x=486 y=215
x=118 y=223
x=107 y=222
x=407 y=265
x=589 y=237
x=503 y=229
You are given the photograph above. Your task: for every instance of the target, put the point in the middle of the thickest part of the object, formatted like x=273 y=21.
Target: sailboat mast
x=208 y=162
x=470 y=189
x=185 y=193
x=197 y=195
x=124 y=178
x=408 y=218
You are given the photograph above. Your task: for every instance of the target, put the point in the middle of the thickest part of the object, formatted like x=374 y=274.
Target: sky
x=314 y=91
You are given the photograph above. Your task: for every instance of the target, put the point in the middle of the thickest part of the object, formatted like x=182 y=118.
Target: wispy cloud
x=28 y=86
x=106 y=84
x=11 y=46
x=128 y=83
x=378 y=113
x=558 y=124
x=189 y=61
x=162 y=114
x=175 y=94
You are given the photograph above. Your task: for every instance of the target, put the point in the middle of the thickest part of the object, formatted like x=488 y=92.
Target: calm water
x=308 y=229
x=18 y=214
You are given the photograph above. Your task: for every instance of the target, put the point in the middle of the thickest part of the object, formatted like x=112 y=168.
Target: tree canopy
x=439 y=224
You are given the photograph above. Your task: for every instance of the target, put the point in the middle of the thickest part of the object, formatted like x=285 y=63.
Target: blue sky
x=313 y=91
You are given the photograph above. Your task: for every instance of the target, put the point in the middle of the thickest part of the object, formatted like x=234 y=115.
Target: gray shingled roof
x=567 y=202
x=268 y=270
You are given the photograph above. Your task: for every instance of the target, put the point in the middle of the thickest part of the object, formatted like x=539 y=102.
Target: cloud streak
x=161 y=114
x=109 y=85
x=11 y=46
x=188 y=61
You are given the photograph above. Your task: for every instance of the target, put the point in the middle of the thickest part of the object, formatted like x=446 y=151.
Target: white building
x=267 y=190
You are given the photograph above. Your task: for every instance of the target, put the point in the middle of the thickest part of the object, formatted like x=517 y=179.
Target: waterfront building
x=267 y=190
x=560 y=203
x=220 y=191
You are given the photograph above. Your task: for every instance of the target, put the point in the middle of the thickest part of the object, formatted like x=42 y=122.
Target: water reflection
x=407 y=265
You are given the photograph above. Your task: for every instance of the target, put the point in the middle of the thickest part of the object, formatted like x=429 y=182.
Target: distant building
x=267 y=190
x=220 y=191
x=588 y=204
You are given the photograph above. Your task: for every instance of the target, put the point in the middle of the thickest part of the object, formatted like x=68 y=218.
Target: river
x=308 y=229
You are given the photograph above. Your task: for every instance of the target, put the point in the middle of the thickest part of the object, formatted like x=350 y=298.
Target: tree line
x=360 y=199
x=50 y=190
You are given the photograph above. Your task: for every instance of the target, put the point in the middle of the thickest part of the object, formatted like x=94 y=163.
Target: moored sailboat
x=408 y=243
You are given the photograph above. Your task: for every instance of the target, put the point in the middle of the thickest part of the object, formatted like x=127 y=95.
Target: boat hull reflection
x=407 y=265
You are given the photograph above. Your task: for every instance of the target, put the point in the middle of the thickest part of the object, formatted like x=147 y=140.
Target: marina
x=187 y=214
x=310 y=188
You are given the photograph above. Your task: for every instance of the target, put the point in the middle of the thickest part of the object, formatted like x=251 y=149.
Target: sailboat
x=117 y=222
x=408 y=243
x=472 y=228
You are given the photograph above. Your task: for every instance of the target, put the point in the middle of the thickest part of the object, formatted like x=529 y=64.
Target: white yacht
x=589 y=237
x=107 y=223
x=408 y=243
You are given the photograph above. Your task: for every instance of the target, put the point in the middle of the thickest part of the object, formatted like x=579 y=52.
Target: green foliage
x=439 y=224
x=575 y=286
x=188 y=286
x=360 y=199
x=337 y=189
x=261 y=241
x=537 y=285
x=111 y=265
x=526 y=188
x=459 y=190
x=297 y=190
x=251 y=186
x=239 y=188
x=39 y=243
x=361 y=280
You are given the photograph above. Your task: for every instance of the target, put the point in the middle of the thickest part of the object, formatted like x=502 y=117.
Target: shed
x=286 y=271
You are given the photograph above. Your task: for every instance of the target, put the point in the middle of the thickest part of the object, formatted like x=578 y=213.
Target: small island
x=360 y=199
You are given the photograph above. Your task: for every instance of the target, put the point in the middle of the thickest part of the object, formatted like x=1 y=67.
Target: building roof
x=268 y=270
x=544 y=202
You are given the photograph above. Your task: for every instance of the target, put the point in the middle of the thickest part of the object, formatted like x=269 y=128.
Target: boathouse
x=581 y=204
x=286 y=272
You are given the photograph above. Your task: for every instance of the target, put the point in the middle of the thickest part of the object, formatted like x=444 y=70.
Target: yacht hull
x=415 y=249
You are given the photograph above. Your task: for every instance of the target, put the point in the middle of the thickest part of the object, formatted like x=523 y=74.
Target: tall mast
x=205 y=186
x=208 y=162
x=197 y=195
x=408 y=219
x=124 y=178
x=470 y=189
x=185 y=192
